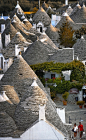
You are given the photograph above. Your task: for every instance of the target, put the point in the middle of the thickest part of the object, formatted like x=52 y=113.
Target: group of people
x=78 y=129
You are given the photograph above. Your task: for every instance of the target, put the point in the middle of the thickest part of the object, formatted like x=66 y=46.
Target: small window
x=20 y=74
x=52 y=76
x=40 y=29
x=1 y=62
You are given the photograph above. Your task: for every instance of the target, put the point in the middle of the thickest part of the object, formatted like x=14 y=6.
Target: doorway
x=84 y=95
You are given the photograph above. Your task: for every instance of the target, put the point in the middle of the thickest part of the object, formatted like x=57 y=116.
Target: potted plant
x=80 y=103
x=65 y=96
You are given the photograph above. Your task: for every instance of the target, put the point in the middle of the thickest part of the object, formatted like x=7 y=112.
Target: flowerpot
x=80 y=106
x=64 y=102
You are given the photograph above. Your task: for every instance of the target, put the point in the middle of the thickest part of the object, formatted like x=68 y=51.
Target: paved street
x=73 y=115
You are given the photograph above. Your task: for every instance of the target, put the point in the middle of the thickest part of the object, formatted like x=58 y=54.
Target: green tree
x=66 y=35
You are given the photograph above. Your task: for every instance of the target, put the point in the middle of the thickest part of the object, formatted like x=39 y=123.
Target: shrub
x=65 y=95
x=80 y=102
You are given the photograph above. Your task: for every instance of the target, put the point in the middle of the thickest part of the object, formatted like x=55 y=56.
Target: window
x=1 y=62
x=40 y=29
x=52 y=76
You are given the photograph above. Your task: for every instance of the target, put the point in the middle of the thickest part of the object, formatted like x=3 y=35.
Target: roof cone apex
x=83 y=5
x=65 y=14
x=17 y=6
x=78 y=4
x=82 y=37
x=34 y=84
x=18 y=33
x=69 y=6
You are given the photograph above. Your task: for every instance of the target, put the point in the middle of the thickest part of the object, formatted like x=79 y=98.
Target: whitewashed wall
x=67 y=74
x=7 y=40
x=61 y=113
x=2 y=27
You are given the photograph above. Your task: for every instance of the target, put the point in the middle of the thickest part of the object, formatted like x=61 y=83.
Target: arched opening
x=41 y=30
x=1 y=62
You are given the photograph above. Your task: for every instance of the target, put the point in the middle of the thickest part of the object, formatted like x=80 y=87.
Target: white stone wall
x=1 y=46
x=61 y=113
x=1 y=75
x=66 y=2
x=67 y=74
x=7 y=40
x=2 y=27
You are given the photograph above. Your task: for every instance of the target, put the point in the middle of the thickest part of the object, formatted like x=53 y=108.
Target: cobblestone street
x=73 y=115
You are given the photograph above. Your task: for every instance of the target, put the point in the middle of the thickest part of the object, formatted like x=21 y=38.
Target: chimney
x=42 y=112
x=1 y=42
x=7 y=40
x=66 y=2
x=39 y=3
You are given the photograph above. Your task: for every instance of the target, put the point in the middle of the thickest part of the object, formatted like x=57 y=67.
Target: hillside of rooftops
x=28 y=5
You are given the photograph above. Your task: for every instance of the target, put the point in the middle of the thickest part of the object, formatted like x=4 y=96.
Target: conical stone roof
x=19 y=22
x=44 y=6
x=70 y=21
x=7 y=125
x=20 y=75
x=40 y=49
x=50 y=11
x=19 y=40
x=52 y=33
x=80 y=49
x=75 y=9
x=27 y=112
x=42 y=16
x=9 y=30
x=65 y=17
x=27 y=23
x=46 y=40
x=80 y=15
x=11 y=93
x=19 y=28
x=18 y=10
x=69 y=10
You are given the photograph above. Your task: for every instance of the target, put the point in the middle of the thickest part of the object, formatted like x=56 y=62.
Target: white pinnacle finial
x=77 y=58
x=2 y=16
x=83 y=4
x=34 y=84
x=17 y=6
x=82 y=37
x=78 y=4
x=69 y=6
x=65 y=14
x=17 y=2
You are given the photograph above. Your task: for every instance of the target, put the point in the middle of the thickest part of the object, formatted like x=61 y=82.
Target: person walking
x=80 y=129
x=75 y=129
